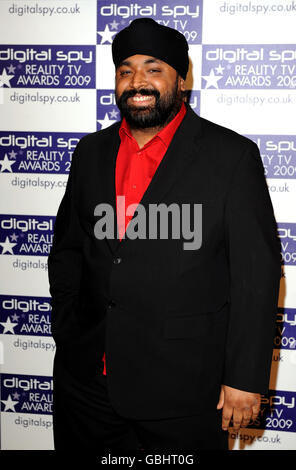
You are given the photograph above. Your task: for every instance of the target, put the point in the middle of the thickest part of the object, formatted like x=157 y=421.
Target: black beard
x=157 y=115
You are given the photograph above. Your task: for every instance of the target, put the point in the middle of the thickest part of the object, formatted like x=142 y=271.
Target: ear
x=182 y=83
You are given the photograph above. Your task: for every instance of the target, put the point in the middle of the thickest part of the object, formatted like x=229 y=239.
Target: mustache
x=143 y=91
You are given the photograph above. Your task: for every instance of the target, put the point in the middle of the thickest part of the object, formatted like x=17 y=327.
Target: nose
x=139 y=79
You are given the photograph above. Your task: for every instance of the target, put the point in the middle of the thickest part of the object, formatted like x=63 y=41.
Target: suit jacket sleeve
x=65 y=263
x=253 y=251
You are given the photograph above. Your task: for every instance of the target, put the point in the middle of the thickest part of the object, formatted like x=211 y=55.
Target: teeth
x=141 y=98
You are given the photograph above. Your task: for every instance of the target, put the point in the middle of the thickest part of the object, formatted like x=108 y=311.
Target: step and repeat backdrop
x=56 y=85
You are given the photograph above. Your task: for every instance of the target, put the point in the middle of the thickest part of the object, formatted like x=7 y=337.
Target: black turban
x=145 y=36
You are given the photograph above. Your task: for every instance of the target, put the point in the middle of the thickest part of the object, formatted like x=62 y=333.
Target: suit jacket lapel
x=106 y=173
x=181 y=152
x=182 y=149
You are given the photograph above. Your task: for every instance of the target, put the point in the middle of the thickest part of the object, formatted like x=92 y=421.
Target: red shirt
x=135 y=167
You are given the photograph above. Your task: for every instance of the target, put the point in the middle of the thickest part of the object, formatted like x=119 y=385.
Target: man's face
x=148 y=91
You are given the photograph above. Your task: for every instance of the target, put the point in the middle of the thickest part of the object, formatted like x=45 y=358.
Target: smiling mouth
x=141 y=99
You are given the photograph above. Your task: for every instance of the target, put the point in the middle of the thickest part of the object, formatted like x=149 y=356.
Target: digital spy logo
x=185 y=16
x=38 y=152
x=285 y=337
x=278 y=412
x=26 y=235
x=287 y=236
x=26 y=394
x=21 y=315
x=278 y=153
x=249 y=67
x=107 y=111
x=47 y=66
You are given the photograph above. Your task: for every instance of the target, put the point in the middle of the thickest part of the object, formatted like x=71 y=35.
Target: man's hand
x=243 y=406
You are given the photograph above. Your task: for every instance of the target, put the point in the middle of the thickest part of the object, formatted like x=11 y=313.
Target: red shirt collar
x=166 y=134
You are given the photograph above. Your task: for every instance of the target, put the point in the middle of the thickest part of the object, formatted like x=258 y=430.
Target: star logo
x=107 y=35
x=15 y=317
x=113 y=113
x=14 y=237
x=9 y=404
x=12 y=154
x=5 y=79
x=7 y=246
x=6 y=164
x=114 y=24
x=219 y=69
x=106 y=122
x=212 y=79
x=8 y=326
x=11 y=69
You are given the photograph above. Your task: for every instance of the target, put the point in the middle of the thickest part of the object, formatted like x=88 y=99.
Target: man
x=186 y=333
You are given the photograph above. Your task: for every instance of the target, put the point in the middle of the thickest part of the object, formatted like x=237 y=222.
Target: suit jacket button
x=117 y=260
x=111 y=304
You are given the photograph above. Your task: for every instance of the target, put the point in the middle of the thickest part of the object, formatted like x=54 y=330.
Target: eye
x=124 y=72
x=154 y=70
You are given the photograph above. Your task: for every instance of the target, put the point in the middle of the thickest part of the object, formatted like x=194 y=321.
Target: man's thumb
x=221 y=399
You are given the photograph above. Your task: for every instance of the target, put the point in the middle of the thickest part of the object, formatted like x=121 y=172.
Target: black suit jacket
x=175 y=323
